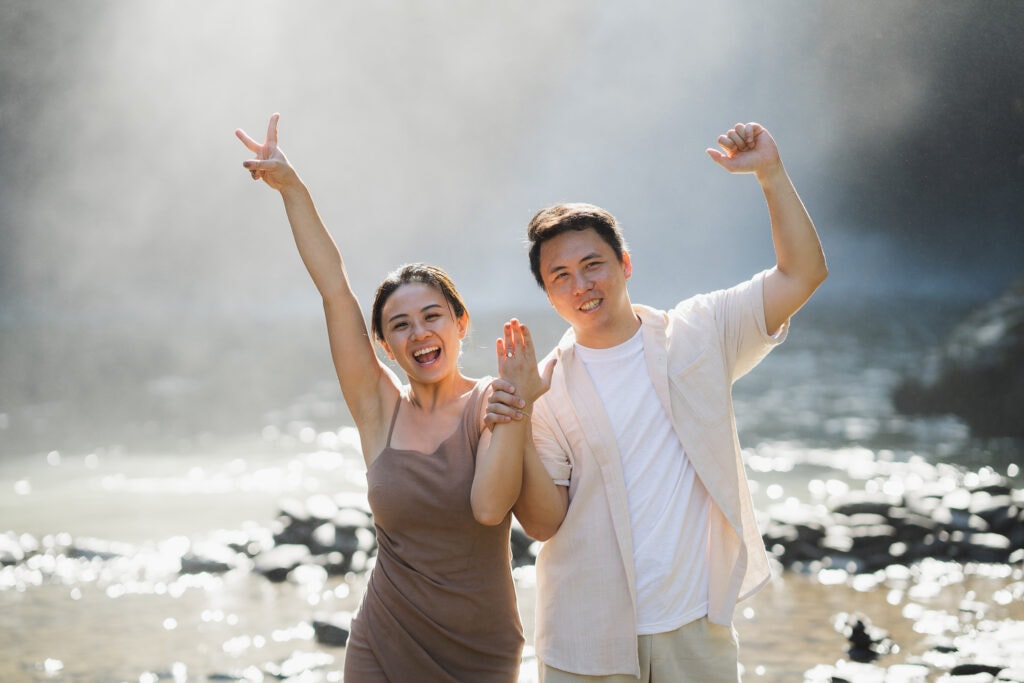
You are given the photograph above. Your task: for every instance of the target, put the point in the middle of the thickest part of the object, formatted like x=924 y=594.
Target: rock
x=333 y=630
x=522 y=546
x=867 y=642
x=978 y=373
x=98 y=549
x=209 y=559
x=278 y=561
x=974 y=669
x=11 y=551
x=864 y=531
x=864 y=502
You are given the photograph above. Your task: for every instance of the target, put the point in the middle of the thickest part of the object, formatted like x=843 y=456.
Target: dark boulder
x=867 y=641
x=978 y=373
x=333 y=630
x=276 y=563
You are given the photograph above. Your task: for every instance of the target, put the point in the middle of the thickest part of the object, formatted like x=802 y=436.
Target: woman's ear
x=387 y=350
x=463 y=324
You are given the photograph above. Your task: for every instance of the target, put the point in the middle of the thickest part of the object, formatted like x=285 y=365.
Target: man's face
x=586 y=284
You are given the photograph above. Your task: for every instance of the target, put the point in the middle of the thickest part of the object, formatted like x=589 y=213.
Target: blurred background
x=139 y=263
x=433 y=132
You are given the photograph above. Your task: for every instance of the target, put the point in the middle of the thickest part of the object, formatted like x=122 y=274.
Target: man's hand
x=503 y=405
x=747 y=148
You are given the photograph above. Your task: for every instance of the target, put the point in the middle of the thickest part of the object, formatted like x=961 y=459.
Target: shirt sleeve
x=739 y=312
x=553 y=453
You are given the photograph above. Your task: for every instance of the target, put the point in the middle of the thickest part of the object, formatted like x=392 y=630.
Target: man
x=649 y=529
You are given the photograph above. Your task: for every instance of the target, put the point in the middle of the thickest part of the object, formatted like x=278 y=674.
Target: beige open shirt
x=586 y=588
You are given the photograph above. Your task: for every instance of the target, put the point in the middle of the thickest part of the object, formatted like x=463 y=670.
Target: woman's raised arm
x=368 y=387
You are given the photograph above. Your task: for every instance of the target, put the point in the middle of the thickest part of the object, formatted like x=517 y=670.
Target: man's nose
x=581 y=283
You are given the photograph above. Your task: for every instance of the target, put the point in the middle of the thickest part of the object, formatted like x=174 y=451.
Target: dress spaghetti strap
x=394 y=419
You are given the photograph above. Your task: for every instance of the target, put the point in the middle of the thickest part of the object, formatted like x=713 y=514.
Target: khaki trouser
x=698 y=652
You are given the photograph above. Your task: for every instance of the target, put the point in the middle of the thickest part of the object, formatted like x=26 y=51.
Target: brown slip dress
x=440 y=603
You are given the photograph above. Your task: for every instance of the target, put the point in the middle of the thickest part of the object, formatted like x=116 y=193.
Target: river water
x=160 y=441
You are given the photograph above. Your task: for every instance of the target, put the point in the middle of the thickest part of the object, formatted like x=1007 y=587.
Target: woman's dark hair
x=551 y=222
x=414 y=272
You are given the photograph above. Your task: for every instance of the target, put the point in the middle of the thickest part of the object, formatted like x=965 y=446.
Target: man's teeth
x=590 y=305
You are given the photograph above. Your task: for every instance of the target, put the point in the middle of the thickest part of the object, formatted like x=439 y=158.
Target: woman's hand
x=270 y=164
x=517 y=362
x=519 y=382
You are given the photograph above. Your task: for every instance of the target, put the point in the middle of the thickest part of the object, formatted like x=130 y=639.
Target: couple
x=621 y=454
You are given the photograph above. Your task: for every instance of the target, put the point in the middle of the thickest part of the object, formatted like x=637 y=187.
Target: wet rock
x=978 y=373
x=981 y=547
x=910 y=526
x=249 y=542
x=867 y=642
x=522 y=546
x=294 y=524
x=98 y=549
x=974 y=670
x=856 y=502
x=11 y=552
x=338 y=531
x=276 y=563
x=209 y=560
x=333 y=630
x=863 y=531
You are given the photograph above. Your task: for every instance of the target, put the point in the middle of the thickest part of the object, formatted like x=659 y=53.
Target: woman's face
x=421 y=333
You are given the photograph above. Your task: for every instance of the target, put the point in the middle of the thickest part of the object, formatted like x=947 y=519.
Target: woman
x=440 y=603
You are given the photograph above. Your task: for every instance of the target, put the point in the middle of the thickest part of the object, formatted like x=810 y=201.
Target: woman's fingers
x=247 y=141
x=272 y=130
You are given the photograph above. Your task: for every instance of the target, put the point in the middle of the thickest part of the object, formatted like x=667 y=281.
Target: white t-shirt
x=668 y=505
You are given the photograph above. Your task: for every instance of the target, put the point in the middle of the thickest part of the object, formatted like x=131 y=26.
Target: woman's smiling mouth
x=426 y=355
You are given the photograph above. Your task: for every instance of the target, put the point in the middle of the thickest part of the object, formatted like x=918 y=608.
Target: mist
x=433 y=132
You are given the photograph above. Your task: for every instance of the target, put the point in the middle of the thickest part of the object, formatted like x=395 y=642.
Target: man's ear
x=627 y=264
